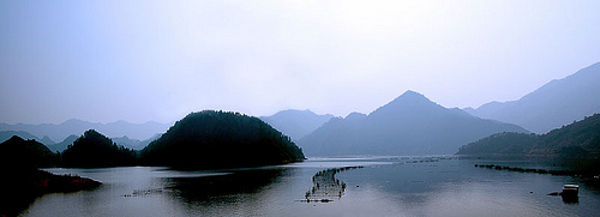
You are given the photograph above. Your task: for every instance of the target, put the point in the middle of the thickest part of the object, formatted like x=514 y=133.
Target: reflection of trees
x=326 y=187
x=221 y=187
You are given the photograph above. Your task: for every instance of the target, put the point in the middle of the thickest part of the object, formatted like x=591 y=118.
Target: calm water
x=383 y=187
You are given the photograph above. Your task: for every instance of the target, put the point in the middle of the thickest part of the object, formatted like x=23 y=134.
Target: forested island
x=94 y=150
x=216 y=139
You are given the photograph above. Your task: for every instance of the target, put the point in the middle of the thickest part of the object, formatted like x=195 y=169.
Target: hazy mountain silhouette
x=215 y=139
x=296 y=123
x=580 y=139
x=501 y=144
x=558 y=103
x=93 y=150
x=74 y=126
x=61 y=146
x=5 y=135
x=135 y=144
x=409 y=125
x=26 y=154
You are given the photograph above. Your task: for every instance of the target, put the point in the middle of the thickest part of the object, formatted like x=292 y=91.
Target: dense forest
x=216 y=139
x=579 y=139
x=96 y=150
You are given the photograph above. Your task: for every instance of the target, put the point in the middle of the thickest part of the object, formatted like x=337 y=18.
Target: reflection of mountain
x=221 y=187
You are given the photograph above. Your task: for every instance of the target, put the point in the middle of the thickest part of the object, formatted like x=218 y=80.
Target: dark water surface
x=381 y=187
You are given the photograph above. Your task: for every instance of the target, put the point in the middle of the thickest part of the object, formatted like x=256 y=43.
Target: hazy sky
x=159 y=60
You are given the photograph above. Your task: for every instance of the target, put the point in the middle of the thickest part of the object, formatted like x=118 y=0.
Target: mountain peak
x=355 y=116
x=73 y=121
x=16 y=138
x=295 y=112
x=412 y=93
x=412 y=96
x=409 y=102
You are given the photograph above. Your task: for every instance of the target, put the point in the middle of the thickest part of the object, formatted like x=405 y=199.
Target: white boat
x=570 y=190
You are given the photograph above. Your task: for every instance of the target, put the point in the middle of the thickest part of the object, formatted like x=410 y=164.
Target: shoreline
x=22 y=187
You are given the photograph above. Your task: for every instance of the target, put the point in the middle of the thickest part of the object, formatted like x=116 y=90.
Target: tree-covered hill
x=19 y=153
x=579 y=139
x=216 y=139
x=502 y=144
x=93 y=150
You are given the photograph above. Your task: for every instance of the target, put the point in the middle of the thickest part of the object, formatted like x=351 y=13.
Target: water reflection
x=396 y=187
x=211 y=188
x=570 y=199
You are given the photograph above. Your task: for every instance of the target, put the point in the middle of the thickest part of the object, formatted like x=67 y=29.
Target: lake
x=373 y=186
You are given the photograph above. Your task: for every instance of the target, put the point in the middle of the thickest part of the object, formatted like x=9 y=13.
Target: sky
x=139 y=61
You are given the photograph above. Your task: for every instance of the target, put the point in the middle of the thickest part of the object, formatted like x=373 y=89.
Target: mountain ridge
x=408 y=125
x=555 y=104
x=579 y=139
x=58 y=132
x=296 y=123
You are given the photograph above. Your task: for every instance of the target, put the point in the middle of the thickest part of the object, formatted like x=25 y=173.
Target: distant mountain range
x=5 y=135
x=579 y=139
x=558 y=103
x=58 y=132
x=296 y=123
x=135 y=144
x=61 y=146
x=125 y=141
x=409 y=125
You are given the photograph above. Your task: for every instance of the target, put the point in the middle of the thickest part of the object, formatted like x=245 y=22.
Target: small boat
x=570 y=190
